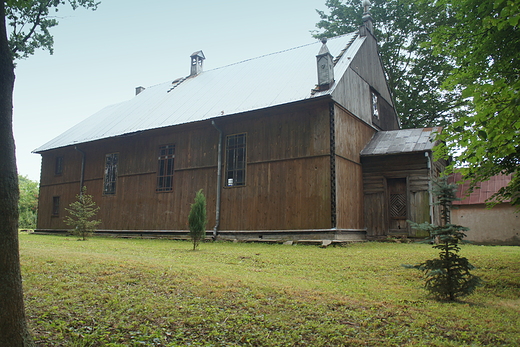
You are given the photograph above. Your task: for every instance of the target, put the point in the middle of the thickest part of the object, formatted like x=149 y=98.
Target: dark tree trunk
x=13 y=327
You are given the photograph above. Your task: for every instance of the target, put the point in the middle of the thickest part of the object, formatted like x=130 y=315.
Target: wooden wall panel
x=288 y=171
x=287 y=184
x=367 y=64
x=291 y=194
x=352 y=135
x=376 y=214
x=349 y=200
x=376 y=170
x=420 y=213
x=67 y=194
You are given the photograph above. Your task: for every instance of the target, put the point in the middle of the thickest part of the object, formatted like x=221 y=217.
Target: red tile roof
x=479 y=196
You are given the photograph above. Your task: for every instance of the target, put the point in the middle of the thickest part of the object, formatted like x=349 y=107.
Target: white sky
x=100 y=57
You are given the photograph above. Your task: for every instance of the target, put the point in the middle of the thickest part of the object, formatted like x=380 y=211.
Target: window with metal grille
x=165 y=168
x=109 y=182
x=58 y=166
x=236 y=160
x=55 y=205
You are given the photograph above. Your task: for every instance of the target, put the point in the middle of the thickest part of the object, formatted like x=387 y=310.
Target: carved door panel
x=397 y=204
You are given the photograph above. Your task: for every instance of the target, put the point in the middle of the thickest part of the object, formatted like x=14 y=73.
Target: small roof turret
x=325 y=64
x=196 y=63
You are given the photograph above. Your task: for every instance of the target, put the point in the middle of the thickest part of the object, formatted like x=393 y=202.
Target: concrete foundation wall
x=497 y=226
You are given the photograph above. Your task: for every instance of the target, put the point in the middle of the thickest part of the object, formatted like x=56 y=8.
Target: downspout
x=430 y=194
x=82 y=177
x=219 y=180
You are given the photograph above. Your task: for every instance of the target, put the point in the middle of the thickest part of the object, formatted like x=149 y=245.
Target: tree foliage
x=447 y=277
x=28 y=203
x=30 y=21
x=414 y=72
x=484 y=41
x=197 y=219
x=81 y=214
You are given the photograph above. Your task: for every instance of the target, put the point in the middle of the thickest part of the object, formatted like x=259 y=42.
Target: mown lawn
x=141 y=292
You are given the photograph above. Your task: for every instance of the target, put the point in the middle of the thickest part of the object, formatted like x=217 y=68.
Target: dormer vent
x=325 y=65
x=196 y=63
x=139 y=89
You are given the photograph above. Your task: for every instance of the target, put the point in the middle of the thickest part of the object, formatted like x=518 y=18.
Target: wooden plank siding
x=352 y=135
x=415 y=168
x=287 y=175
x=136 y=205
x=288 y=171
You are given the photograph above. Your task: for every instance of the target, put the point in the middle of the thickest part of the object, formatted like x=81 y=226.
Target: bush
x=197 y=219
x=28 y=203
x=81 y=213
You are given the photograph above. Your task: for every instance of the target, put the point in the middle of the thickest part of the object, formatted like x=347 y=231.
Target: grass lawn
x=141 y=292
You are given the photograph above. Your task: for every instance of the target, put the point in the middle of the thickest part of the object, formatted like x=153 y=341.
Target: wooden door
x=397 y=205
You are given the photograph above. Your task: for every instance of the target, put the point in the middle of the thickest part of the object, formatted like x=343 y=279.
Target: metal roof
x=270 y=80
x=401 y=141
x=483 y=191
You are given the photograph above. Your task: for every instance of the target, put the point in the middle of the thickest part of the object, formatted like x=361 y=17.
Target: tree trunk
x=13 y=327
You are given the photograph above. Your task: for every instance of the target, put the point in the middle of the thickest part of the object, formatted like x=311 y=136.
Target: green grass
x=141 y=292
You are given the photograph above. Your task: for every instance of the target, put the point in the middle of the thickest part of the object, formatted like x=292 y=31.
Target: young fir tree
x=448 y=276
x=81 y=213
x=197 y=219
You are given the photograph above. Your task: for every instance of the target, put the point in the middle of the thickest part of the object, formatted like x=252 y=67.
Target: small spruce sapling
x=197 y=219
x=448 y=276
x=81 y=213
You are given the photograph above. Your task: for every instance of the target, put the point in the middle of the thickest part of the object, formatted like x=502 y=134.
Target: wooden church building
x=298 y=144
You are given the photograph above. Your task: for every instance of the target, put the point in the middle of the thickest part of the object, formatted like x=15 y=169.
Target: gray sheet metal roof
x=269 y=80
x=401 y=141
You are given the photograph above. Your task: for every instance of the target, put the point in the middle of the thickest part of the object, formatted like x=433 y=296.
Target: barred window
x=236 y=160
x=109 y=183
x=165 y=168
x=55 y=206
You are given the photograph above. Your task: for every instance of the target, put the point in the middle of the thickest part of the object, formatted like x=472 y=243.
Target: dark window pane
x=55 y=205
x=58 y=166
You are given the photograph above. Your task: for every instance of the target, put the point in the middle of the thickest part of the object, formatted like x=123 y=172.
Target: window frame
x=168 y=159
x=236 y=170
x=110 y=174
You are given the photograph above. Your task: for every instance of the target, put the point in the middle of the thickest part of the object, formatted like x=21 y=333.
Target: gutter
x=219 y=180
x=82 y=178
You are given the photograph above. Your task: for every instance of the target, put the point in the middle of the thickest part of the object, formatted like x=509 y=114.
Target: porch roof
x=401 y=141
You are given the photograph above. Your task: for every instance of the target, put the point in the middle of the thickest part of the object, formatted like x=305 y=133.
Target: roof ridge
x=293 y=48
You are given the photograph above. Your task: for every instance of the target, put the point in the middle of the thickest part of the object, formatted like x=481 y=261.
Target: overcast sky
x=100 y=57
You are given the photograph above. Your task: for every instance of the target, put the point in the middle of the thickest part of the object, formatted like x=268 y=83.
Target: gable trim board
x=303 y=171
